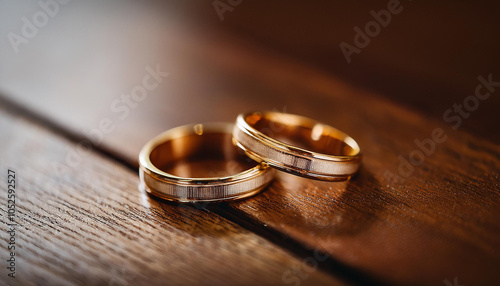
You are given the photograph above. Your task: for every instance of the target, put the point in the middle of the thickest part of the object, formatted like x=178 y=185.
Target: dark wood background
x=85 y=222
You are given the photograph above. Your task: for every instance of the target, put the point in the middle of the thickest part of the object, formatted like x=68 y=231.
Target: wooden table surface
x=82 y=220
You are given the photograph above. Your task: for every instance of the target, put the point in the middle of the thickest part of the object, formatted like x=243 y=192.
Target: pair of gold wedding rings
x=248 y=153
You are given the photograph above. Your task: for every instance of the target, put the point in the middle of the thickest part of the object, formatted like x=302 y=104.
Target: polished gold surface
x=195 y=163
x=297 y=145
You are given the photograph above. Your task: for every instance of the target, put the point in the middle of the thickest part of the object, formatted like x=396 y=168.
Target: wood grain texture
x=439 y=223
x=91 y=226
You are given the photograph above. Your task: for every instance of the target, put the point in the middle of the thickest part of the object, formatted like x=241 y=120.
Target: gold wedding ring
x=170 y=165
x=297 y=145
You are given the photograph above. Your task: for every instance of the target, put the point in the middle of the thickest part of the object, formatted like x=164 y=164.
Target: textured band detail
x=271 y=154
x=196 y=191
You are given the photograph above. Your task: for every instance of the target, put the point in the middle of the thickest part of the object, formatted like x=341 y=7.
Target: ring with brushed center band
x=297 y=145
x=195 y=143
